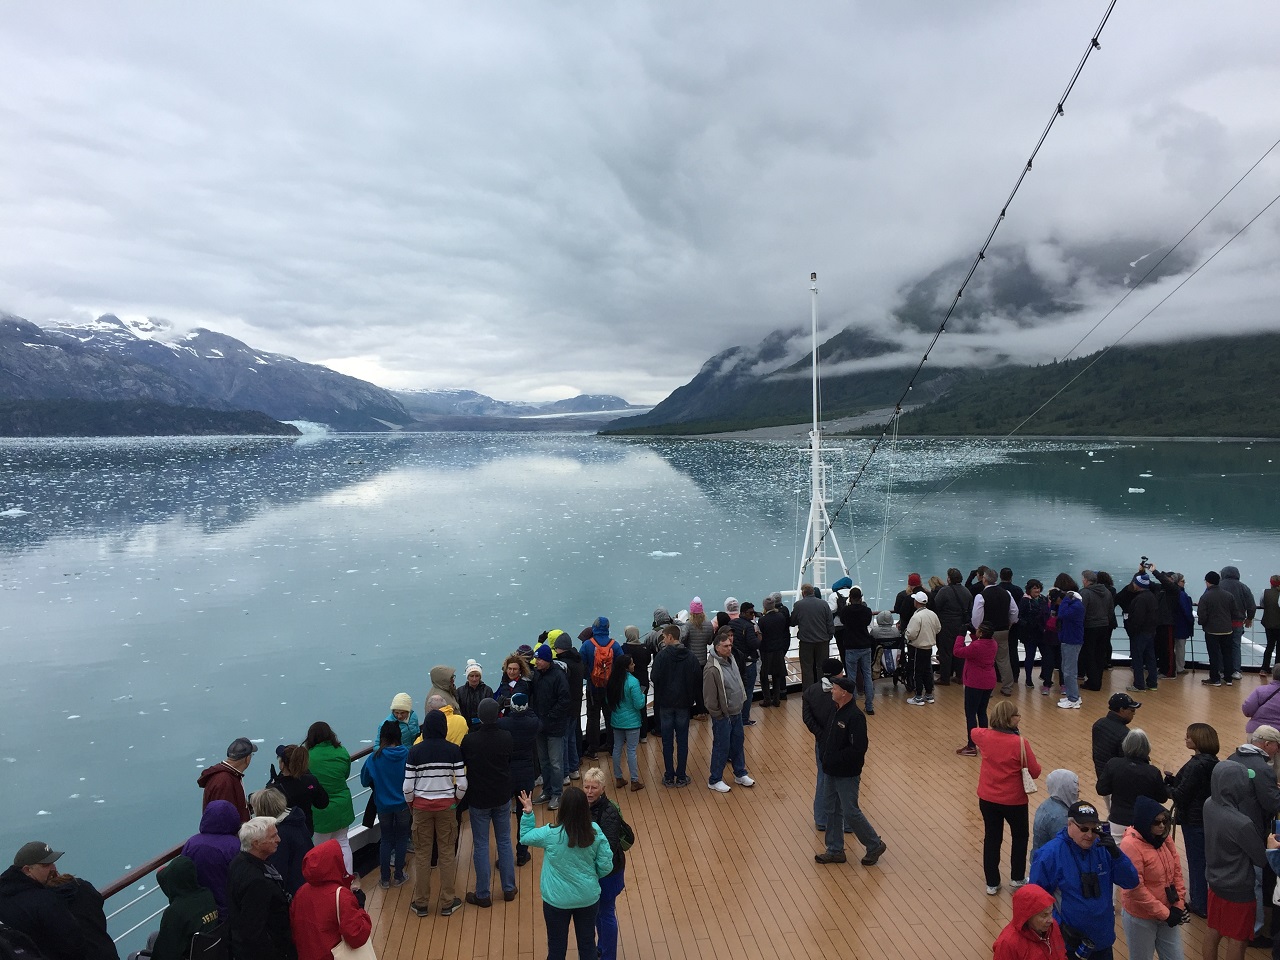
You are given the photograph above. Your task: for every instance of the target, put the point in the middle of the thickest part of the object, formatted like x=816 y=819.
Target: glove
x=1176 y=916
x=1109 y=842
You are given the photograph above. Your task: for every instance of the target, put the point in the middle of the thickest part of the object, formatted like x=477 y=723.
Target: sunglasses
x=1096 y=828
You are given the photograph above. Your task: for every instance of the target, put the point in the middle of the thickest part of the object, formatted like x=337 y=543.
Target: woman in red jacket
x=1032 y=934
x=1153 y=912
x=324 y=910
x=1001 y=795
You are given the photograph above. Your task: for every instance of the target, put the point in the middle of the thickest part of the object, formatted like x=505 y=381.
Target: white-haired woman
x=609 y=820
x=256 y=897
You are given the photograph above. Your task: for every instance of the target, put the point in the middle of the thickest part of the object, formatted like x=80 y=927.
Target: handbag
x=344 y=952
x=1028 y=782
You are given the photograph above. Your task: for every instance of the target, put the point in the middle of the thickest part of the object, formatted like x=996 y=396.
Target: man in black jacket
x=995 y=605
x=568 y=654
x=486 y=750
x=816 y=709
x=843 y=749
x=28 y=904
x=549 y=698
x=953 y=604
x=1109 y=731
x=256 y=897
x=677 y=678
x=775 y=640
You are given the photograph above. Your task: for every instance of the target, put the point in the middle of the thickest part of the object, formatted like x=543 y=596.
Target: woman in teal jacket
x=576 y=856
x=626 y=700
x=331 y=765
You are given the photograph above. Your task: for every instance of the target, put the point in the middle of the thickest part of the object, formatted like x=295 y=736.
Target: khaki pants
x=442 y=827
x=1003 y=667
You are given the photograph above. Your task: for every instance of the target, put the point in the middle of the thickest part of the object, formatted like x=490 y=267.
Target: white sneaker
x=1068 y=704
x=575 y=775
x=1015 y=884
x=929 y=699
x=1236 y=676
x=744 y=781
x=916 y=701
x=567 y=781
x=719 y=787
x=992 y=891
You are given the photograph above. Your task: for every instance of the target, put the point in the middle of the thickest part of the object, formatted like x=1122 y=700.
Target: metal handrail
x=155 y=863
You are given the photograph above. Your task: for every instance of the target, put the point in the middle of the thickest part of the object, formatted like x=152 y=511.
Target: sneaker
x=992 y=891
x=399 y=881
x=748 y=723
x=871 y=711
x=1044 y=691
x=874 y=854
x=916 y=701
x=475 y=902
x=1066 y=703
x=575 y=776
x=669 y=781
x=1236 y=675
x=554 y=804
x=385 y=884
x=1015 y=884
x=744 y=781
x=1132 y=689
x=1211 y=683
x=449 y=909
x=419 y=911
x=567 y=781
x=1228 y=683
x=719 y=787
x=830 y=858
x=967 y=751
x=683 y=781
x=929 y=699
x=542 y=797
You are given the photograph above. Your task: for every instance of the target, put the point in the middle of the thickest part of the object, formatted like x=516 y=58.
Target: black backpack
x=16 y=945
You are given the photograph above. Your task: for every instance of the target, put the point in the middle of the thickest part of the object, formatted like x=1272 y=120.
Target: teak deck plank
x=732 y=876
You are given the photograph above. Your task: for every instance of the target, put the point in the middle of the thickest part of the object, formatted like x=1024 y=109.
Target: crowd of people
x=274 y=868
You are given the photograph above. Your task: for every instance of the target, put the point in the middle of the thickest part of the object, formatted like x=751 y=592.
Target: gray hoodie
x=1231 y=583
x=1051 y=816
x=1231 y=842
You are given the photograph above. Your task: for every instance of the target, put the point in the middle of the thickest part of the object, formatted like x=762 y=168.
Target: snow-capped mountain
x=112 y=359
x=471 y=403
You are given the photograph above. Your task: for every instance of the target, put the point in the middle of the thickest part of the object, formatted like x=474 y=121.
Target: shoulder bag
x=344 y=952
x=1028 y=781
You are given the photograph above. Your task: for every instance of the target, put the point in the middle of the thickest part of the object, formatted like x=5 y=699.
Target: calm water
x=162 y=597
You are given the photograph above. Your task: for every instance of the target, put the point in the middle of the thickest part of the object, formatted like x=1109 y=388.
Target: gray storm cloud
x=530 y=201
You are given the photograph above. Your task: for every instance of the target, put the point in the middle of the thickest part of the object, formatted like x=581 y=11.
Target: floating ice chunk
x=10 y=759
x=44 y=813
x=74 y=716
x=663 y=553
x=1146 y=476
x=14 y=512
x=1137 y=489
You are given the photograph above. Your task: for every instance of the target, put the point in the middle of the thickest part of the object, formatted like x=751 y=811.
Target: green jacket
x=331 y=766
x=191 y=910
x=570 y=875
x=628 y=713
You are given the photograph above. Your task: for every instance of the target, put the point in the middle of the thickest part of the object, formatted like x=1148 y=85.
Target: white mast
x=818 y=538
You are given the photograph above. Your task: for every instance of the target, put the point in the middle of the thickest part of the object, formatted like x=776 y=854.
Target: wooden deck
x=733 y=876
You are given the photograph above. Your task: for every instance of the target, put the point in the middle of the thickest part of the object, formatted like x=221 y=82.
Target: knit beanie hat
x=487 y=712
x=695 y=606
x=473 y=667
x=913 y=580
x=832 y=666
x=402 y=701
x=544 y=653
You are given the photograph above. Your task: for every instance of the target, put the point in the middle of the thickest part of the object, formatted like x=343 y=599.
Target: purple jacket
x=214 y=847
x=1262 y=706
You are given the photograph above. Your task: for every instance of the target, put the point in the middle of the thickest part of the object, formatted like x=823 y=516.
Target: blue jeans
x=675 y=734
x=551 y=760
x=1145 y=937
x=394 y=828
x=571 y=759
x=1197 y=887
x=630 y=738
x=852 y=659
x=1070 y=667
x=1142 y=653
x=480 y=820
x=842 y=808
x=607 y=916
x=749 y=682
x=584 y=930
x=726 y=747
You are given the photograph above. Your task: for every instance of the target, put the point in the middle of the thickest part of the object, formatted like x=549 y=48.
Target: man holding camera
x=1080 y=865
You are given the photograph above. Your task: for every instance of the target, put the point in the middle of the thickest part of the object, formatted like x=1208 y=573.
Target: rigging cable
x=1102 y=353
x=982 y=251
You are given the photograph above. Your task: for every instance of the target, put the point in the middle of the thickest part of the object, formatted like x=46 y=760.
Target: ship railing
x=143 y=873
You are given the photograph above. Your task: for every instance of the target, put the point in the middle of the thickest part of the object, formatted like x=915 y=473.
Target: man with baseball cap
x=223 y=781
x=842 y=751
x=30 y=906
x=1080 y=866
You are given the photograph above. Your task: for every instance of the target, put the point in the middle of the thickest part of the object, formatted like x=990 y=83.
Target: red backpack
x=602 y=664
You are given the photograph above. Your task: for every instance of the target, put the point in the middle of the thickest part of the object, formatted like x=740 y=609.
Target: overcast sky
x=535 y=200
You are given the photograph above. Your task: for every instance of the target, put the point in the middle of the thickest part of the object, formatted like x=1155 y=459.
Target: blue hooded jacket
x=1058 y=867
x=384 y=772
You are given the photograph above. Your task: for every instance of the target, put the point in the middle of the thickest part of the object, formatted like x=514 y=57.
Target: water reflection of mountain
x=74 y=487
